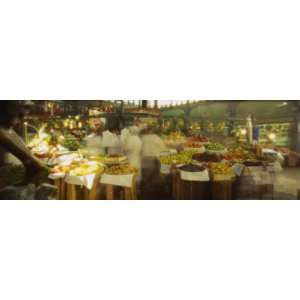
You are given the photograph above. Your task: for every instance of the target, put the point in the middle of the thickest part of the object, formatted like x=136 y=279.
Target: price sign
x=195 y=176
x=165 y=169
x=119 y=180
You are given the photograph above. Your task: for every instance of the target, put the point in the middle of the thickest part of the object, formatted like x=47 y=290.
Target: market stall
x=206 y=154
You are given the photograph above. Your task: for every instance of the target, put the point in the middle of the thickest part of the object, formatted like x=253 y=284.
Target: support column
x=296 y=131
x=144 y=103
x=232 y=114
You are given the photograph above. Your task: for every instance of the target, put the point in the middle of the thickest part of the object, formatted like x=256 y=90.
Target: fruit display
x=175 y=138
x=207 y=157
x=239 y=154
x=121 y=170
x=71 y=144
x=98 y=158
x=79 y=168
x=221 y=169
x=142 y=110
x=192 y=168
x=190 y=144
x=215 y=147
x=39 y=138
x=115 y=159
x=89 y=167
x=184 y=157
x=198 y=139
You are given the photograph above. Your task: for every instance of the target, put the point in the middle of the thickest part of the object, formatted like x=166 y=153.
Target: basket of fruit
x=193 y=172
x=207 y=157
x=221 y=172
x=199 y=139
x=83 y=173
x=184 y=157
x=121 y=175
x=216 y=148
x=115 y=159
x=194 y=146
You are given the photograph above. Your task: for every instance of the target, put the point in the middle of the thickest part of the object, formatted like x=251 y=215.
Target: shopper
x=12 y=147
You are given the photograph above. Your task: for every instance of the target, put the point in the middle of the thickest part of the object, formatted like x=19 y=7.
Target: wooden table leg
x=128 y=193
x=71 y=192
x=63 y=192
x=57 y=183
x=109 y=192
x=91 y=194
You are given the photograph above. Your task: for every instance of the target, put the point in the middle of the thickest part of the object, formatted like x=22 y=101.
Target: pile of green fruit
x=215 y=147
x=71 y=144
x=184 y=157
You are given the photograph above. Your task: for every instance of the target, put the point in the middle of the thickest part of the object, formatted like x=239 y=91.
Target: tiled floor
x=287 y=183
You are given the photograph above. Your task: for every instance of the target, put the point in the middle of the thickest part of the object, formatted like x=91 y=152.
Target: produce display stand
x=127 y=185
x=61 y=188
x=222 y=186
x=222 y=190
x=74 y=190
x=188 y=188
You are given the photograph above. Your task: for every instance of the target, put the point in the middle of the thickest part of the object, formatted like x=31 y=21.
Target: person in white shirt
x=153 y=145
x=132 y=146
x=114 y=142
x=95 y=142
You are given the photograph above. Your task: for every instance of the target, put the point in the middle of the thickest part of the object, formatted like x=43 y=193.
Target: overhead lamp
x=272 y=136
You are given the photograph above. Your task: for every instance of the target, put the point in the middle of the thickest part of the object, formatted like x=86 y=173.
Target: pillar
x=296 y=131
x=144 y=103
x=232 y=113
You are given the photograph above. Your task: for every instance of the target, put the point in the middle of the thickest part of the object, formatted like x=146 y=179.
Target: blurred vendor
x=113 y=140
x=95 y=141
x=152 y=146
x=133 y=149
x=12 y=148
